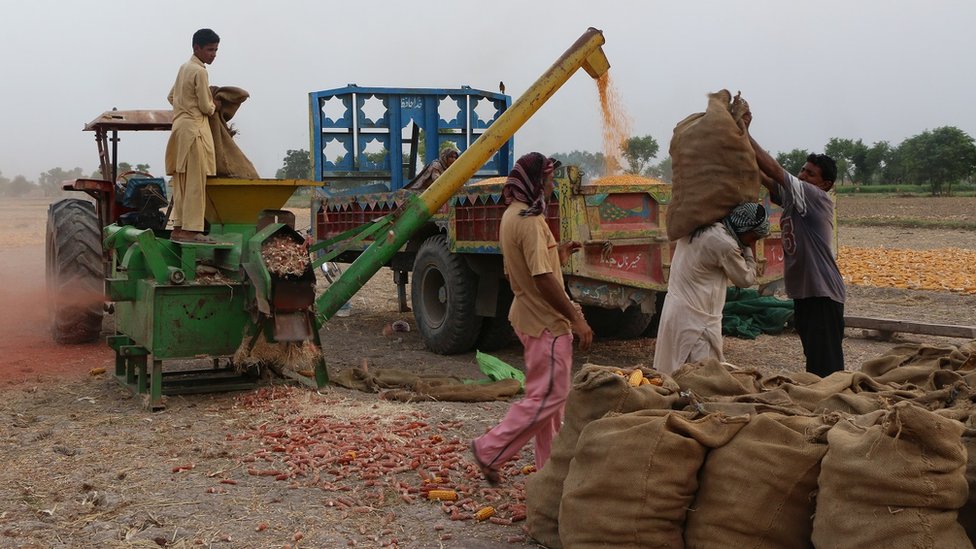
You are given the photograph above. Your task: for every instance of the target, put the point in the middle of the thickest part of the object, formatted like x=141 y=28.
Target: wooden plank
x=905 y=326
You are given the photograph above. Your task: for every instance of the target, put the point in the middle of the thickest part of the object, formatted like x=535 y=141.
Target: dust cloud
x=27 y=351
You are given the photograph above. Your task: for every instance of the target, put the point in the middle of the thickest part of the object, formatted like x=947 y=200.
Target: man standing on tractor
x=190 y=156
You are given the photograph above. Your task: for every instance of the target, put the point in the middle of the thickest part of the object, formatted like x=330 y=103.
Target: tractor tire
x=73 y=268
x=443 y=293
x=496 y=331
x=616 y=324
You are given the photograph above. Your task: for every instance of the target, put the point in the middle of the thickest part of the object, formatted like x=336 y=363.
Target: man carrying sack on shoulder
x=703 y=265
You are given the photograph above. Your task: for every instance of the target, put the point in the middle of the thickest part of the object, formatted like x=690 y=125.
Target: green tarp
x=748 y=314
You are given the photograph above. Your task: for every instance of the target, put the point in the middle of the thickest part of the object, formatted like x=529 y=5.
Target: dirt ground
x=87 y=466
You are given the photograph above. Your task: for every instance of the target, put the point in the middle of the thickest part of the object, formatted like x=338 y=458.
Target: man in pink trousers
x=543 y=317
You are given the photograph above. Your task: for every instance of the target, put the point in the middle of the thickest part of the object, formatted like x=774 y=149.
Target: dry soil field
x=86 y=466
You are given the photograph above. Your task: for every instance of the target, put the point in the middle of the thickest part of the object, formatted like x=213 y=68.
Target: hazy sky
x=869 y=69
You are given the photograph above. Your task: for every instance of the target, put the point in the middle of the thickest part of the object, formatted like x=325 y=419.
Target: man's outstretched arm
x=767 y=164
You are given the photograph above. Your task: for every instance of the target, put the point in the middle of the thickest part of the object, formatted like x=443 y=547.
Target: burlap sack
x=714 y=166
x=967 y=514
x=850 y=403
x=776 y=400
x=231 y=160
x=810 y=396
x=410 y=387
x=927 y=366
x=456 y=392
x=710 y=378
x=758 y=491
x=596 y=391
x=866 y=395
x=913 y=363
x=741 y=408
x=502 y=389
x=892 y=479
x=957 y=396
x=635 y=475
x=374 y=380
x=772 y=381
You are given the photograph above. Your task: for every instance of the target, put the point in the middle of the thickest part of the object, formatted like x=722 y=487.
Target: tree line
x=48 y=184
x=935 y=159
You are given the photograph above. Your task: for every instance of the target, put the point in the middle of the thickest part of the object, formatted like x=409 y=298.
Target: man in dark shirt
x=811 y=275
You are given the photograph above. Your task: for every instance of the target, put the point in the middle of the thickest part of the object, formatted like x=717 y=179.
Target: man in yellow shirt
x=543 y=317
x=190 y=151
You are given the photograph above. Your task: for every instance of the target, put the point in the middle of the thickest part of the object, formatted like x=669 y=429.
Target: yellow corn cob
x=635 y=378
x=484 y=513
x=645 y=381
x=442 y=495
x=657 y=381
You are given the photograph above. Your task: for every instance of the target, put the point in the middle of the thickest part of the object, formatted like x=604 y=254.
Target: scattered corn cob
x=484 y=513
x=442 y=495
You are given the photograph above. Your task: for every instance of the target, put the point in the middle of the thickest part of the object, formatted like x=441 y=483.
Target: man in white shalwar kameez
x=704 y=264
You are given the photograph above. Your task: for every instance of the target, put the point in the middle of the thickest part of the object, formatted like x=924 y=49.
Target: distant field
x=917 y=211
x=23 y=220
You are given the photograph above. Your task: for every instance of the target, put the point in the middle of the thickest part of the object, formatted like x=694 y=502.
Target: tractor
x=172 y=301
x=183 y=303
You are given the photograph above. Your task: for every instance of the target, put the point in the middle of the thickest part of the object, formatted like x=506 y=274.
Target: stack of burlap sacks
x=719 y=457
x=713 y=166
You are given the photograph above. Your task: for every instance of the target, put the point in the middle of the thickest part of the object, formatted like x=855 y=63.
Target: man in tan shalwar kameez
x=703 y=265
x=190 y=151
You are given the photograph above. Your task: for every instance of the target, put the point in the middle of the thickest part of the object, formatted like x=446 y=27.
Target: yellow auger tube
x=586 y=53
x=412 y=215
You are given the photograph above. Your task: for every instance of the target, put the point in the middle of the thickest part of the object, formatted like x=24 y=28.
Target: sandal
x=491 y=475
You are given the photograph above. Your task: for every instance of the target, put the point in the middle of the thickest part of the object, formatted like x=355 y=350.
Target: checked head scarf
x=526 y=182
x=745 y=218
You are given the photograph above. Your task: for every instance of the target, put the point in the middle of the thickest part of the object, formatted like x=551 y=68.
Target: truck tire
x=612 y=323
x=73 y=268
x=443 y=293
x=651 y=330
x=496 y=331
